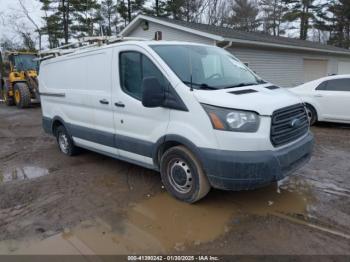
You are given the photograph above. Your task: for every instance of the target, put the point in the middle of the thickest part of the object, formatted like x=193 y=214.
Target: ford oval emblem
x=295 y=123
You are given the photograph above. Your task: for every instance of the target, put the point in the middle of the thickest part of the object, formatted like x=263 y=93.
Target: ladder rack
x=84 y=43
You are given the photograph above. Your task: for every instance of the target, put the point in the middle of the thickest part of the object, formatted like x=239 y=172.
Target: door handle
x=119 y=104
x=104 y=102
x=318 y=95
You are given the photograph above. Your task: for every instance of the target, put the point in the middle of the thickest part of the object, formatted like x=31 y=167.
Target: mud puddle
x=22 y=173
x=162 y=224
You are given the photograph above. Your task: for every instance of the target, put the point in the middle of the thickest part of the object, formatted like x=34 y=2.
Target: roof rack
x=84 y=43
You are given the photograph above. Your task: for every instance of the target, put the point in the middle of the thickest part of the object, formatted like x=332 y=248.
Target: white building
x=283 y=61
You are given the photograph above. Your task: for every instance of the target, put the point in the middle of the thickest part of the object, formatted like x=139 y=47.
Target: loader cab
x=23 y=62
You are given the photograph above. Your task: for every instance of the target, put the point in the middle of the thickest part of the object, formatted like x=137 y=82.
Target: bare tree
x=244 y=15
x=217 y=12
x=29 y=17
x=22 y=30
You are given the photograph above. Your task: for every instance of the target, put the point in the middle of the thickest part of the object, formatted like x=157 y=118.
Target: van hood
x=263 y=99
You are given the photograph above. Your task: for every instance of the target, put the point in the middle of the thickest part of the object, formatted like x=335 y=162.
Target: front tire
x=22 y=95
x=65 y=142
x=312 y=114
x=183 y=175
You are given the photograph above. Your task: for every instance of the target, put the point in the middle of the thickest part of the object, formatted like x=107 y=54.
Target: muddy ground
x=93 y=204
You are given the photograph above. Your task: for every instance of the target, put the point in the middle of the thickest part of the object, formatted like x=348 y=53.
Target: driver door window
x=134 y=67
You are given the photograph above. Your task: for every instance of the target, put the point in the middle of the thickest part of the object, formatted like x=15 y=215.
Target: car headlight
x=232 y=120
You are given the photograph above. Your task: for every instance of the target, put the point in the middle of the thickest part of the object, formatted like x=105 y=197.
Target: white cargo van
x=193 y=112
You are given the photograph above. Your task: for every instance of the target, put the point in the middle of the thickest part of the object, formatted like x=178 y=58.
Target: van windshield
x=205 y=67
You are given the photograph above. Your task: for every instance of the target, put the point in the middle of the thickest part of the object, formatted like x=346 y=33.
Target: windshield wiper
x=201 y=86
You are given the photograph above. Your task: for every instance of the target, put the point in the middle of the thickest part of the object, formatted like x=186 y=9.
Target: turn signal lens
x=216 y=121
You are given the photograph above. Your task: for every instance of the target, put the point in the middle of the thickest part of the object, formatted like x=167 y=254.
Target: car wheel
x=65 y=142
x=312 y=114
x=183 y=175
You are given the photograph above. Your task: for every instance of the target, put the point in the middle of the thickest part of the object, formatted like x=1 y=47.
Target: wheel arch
x=56 y=122
x=314 y=108
x=168 y=141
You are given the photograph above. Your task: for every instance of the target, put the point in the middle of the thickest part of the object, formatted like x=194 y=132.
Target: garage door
x=314 y=69
x=343 y=68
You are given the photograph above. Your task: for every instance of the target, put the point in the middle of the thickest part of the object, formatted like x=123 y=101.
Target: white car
x=326 y=99
x=193 y=112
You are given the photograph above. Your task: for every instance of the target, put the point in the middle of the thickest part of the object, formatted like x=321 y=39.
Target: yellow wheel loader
x=18 y=79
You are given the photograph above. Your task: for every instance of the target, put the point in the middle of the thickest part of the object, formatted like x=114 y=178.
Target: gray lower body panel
x=231 y=170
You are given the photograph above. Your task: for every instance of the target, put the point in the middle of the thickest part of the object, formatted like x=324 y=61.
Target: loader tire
x=4 y=95
x=22 y=95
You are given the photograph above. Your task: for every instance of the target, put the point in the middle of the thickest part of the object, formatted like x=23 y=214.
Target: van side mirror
x=153 y=93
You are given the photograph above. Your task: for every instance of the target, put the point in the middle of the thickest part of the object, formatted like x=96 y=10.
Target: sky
x=8 y=7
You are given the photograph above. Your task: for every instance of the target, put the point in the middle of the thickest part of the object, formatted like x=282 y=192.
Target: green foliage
x=158 y=8
x=108 y=16
x=302 y=11
x=122 y=9
x=85 y=15
x=338 y=22
x=65 y=20
x=273 y=13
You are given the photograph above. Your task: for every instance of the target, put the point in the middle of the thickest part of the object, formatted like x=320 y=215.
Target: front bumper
x=236 y=170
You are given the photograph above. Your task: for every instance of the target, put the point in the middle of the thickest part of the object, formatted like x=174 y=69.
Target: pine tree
x=337 y=17
x=137 y=7
x=272 y=16
x=85 y=15
x=123 y=11
x=245 y=16
x=175 y=9
x=302 y=11
x=159 y=8
x=109 y=14
x=53 y=23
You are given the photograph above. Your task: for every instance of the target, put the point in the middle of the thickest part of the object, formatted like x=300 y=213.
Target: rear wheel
x=4 y=95
x=22 y=95
x=65 y=142
x=312 y=114
x=183 y=175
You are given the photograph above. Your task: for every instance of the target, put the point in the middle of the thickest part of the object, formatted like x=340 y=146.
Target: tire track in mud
x=323 y=228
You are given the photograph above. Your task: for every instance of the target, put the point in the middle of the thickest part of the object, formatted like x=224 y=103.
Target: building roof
x=228 y=34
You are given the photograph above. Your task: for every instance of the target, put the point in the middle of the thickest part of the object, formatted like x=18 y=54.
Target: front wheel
x=65 y=142
x=22 y=95
x=183 y=175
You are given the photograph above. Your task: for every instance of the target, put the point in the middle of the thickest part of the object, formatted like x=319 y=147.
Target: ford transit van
x=193 y=112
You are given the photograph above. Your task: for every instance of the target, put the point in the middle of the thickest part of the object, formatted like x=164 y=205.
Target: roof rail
x=84 y=43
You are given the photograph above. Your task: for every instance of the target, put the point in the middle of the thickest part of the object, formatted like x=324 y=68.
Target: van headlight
x=232 y=119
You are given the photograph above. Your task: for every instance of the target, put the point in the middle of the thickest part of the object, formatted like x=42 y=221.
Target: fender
x=176 y=139
x=48 y=124
x=315 y=105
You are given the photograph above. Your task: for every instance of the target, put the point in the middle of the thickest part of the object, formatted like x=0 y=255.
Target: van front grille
x=288 y=124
